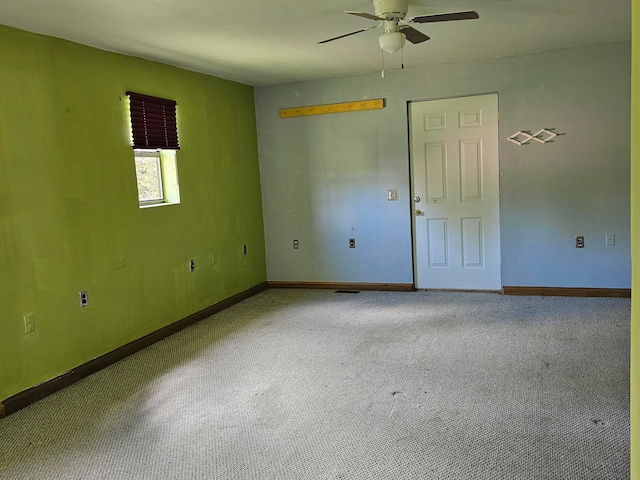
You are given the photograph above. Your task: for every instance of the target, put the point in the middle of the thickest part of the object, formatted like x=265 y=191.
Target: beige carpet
x=303 y=384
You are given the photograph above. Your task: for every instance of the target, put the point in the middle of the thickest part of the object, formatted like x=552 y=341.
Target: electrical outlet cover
x=611 y=240
x=29 y=322
x=84 y=298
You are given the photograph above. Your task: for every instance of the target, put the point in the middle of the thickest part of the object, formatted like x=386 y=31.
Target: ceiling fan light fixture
x=392 y=42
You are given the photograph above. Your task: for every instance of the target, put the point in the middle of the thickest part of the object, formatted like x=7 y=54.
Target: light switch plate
x=611 y=240
x=29 y=322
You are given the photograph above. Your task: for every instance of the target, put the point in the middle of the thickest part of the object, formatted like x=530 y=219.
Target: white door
x=455 y=183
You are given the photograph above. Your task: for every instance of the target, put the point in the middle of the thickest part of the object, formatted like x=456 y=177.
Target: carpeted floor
x=313 y=384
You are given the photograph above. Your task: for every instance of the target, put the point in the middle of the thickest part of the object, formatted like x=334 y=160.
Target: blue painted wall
x=325 y=178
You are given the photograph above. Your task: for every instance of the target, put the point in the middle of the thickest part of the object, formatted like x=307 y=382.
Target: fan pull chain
x=382 y=63
x=402 y=53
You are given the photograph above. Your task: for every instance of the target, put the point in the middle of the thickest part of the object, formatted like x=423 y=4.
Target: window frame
x=168 y=173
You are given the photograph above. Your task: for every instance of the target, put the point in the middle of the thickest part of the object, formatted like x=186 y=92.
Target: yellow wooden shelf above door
x=357 y=106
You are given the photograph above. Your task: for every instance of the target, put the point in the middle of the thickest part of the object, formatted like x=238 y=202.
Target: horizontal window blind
x=153 y=122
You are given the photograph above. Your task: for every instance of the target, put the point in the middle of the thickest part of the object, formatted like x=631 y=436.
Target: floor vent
x=347 y=291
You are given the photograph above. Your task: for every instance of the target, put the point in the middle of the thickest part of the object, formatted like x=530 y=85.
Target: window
x=149 y=176
x=157 y=177
x=155 y=142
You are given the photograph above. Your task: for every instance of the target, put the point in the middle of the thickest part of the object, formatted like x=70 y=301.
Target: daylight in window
x=149 y=177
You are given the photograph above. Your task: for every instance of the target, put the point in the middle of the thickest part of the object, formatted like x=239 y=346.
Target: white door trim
x=458 y=263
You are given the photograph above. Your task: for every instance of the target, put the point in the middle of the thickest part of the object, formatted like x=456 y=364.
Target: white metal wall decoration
x=523 y=137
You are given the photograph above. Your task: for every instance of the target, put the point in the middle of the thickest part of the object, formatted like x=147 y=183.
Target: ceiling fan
x=397 y=28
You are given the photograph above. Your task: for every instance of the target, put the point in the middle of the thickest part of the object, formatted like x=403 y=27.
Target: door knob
x=418 y=213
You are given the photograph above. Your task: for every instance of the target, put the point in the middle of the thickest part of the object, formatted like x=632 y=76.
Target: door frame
x=412 y=193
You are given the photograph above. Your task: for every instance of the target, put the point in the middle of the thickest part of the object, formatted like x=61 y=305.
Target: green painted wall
x=635 y=242
x=69 y=217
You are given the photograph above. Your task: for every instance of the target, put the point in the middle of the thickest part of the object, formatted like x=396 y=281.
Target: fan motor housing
x=391 y=8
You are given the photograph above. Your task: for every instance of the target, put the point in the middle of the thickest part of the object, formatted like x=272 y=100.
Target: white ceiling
x=263 y=42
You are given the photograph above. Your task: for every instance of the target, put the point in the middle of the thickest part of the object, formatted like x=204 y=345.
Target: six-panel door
x=455 y=179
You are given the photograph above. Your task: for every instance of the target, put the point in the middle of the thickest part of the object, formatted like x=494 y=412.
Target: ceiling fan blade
x=445 y=17
x=413 y=35
x=347 y=34
x=365 y=15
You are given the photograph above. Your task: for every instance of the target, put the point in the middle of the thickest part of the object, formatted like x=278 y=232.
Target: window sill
x=153 y=205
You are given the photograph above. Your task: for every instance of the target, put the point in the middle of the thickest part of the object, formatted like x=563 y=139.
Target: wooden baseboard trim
x=568 y=292
x=449 y=290
x=33 y=394
x=390 y=287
